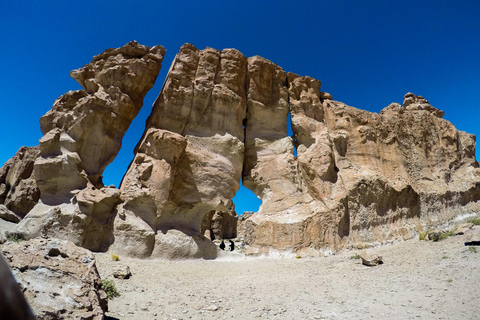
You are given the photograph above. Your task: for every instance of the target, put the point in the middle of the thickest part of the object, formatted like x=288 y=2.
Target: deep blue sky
x=366 y=53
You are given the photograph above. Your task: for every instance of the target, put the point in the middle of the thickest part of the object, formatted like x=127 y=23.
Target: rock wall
x=346 y=177
x=365 y=177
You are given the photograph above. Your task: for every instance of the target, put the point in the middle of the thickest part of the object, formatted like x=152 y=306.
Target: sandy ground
x=418 y=280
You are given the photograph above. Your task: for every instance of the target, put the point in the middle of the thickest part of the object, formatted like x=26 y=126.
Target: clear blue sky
x=366 y=53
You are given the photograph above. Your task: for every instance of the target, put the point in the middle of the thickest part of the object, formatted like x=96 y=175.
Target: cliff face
x=365 y=177
x=345 y=177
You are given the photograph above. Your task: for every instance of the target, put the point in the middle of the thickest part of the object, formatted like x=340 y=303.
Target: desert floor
x=418 y=280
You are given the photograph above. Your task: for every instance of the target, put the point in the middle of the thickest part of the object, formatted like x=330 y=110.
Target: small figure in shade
x=232 y=245
x=222 y=245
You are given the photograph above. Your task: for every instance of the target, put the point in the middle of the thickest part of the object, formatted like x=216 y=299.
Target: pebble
x=212 y=308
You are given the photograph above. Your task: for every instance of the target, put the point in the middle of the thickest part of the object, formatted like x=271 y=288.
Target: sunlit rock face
x=365 y=177
x=82 y=135
x=189 y=161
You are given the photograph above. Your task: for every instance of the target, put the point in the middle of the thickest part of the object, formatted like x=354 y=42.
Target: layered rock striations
x=346 y=177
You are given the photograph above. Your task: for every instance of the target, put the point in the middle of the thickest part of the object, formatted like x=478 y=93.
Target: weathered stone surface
x=18 y=187
x=241 y=223
x=87 y=220
x=12 y=302
x=345 y=177
x=359 y=176
x=370 y=259
x=88 y=125
x=82 y=135
x=59 y=280
x=220 y=224
x=189 y=160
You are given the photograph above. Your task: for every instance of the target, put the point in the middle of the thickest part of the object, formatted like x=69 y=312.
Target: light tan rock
x=190 y=158
x=358 y=176
x=82 y=135
x=462 y=228
x=370 y=259
x=59 y=280
x=175 y=244
x=92 y=122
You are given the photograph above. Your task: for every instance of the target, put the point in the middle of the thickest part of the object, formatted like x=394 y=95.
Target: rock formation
x=82 y=135
x=59 y=279
x=189 y=160
x=18 y=187
x=346 y=177
x=364 y=177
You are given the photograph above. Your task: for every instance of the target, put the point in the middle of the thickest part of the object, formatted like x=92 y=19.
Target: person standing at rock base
x=222 y=245
x=232 y=245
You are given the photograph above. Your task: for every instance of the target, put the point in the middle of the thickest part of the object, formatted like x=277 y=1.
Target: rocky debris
x=462 y=228
x=59 y=279
x=8 y=215
x=18 y=188
x=82 y=135
x=12 y=302
x=370 y=259
x=122 y=272
x=220 y=224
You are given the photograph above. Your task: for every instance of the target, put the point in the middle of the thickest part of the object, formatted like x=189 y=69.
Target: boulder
x=59 y=279
x=121 y=272
x=462 y=228
x=8 y=215
x=18 y=188
x=370 y=259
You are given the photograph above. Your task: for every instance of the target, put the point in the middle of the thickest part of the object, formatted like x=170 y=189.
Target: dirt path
x=419 y=280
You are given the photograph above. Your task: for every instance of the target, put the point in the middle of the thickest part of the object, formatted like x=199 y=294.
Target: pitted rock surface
x=59 y=279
